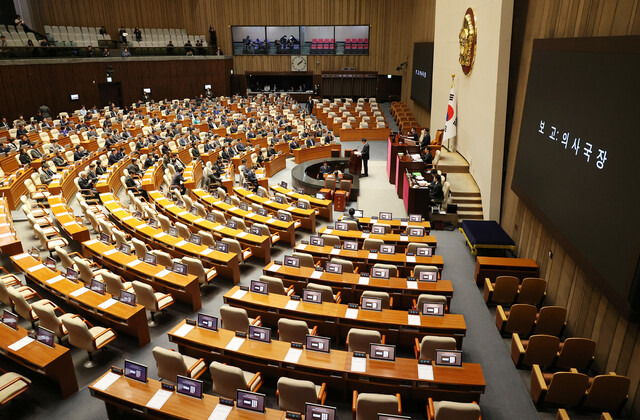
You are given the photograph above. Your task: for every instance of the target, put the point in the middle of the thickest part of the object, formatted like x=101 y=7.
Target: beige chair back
x=195 y=267
x=234 y=246
x=449 y=410
x=227 y=379
x=306 y=260
x=145 y=295
x=331 y=240
x=383 y=296
x=163 y=258
x=170 y=364
x=430 y=343
x=65 y=259
x=292 y=330
x=294 y=393
x=275 y=284
x=347 y=266
x=359 y=339
x=327 y=292
x=48 y=319
x=393 y=270
x=234 y=319
x=21 y=306
x=139 y=246
x=113 y=282
x=79 y=334
x=85 y=274
x=369 y=405
x=372 y=244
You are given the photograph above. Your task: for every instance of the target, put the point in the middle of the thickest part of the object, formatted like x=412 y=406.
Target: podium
x=340 y=200
x=355 y=164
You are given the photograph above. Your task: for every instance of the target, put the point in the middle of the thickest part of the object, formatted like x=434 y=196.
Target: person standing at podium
x=365 y=156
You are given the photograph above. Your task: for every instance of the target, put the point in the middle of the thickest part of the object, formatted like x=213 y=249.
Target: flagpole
x=453 y=76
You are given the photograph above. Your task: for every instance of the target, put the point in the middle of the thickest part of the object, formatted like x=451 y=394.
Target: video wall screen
x=578 y=151
x=422 y=73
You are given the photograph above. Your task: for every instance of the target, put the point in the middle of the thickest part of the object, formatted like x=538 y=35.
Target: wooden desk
x=182 y=288
x=397 y=225
x=492 y=267
x=14 y=187
x=126 y=397
x=65 y=185
x=400 y=241
x=275 y=165
x=324 y=207
x=260 y=245
x=458 y=384
x=286 y=230
x=130 y=320
x=416 y=198
x=226 y=264
x=332 y=320
x=352 y=285
x=67 y=220
x=316 y=152
x=355 y=134
x=54 y=363
x=306 y=218
x=403 y=163
x=395 y=145
x=10 y=244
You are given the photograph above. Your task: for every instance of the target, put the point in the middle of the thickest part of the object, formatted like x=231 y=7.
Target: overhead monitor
x=422 y=73
x=74 y=97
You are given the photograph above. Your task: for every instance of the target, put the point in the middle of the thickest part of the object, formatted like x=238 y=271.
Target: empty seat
x=450 y=410
x=577 y=353
x=195 y=267
x=88 y=339
x=367 y=406
x=275 y=285
x=532 y=291
x=393 y=270
x=540 y=349
x=607 y=393
x=293 y=394
x=347 y=266
x=520 y=319
x=359 y=339
x=502 y=292
x=152 y=301
x=426 y=348
x=170 y=364
x=236 y=319
x=387 y=302
x=48 y=319
x=331 y=240
x=327 y=292
x=293 y=330
x=372 y=244
x=306 y=260
x=560 y=388
x=228 y=379
x=551 y=320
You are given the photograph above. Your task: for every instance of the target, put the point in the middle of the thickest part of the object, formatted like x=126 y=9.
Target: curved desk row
x=335 y=320
x=10 y=244
x=183 y=288
x=464 y=383
x=307 y=218
x=65 y=217
x=324 y=207
x=400 y=241
x=317 y=152
x=226 y=264
x=275 y=164
x=13 y=187
x=397 y=225
x=352 y=284
x=130 y=320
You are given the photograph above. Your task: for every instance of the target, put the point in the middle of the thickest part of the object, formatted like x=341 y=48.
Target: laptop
x=371 y=303
x=312 y=296
x=378 y=230
x=135 y=371
x=291 y=261
x=319 y=412
x=358 y=214
x=302 y=205
x=127 y=298
x=244 y=206
x=341 y=226
x=278 y=199
x=98 y=286
x=150 y=258
x=208 y=322
x=388 y=249
x=379 y=273
x=72 y=275
x=153 y=223
x=416 y=218
x=283 y=184
x=195 y=239
x=384 y=215
x=332 y=267
x=316 y=241
x=449 y=358
x=180 y=268
x=259 y=334
x=50 y=263
x=429 y=276
x=432 y=309
x=350 y=245
x=189 y=387
x=385 y=352
x=424 y=251
x=317 y=343
x=10 y=319
x=125 y=249
x=416 y=231
x=137 y=215
x=251 y=401
x=45 y=336
x=261 y=287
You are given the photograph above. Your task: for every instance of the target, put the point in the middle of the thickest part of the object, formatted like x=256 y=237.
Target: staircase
x=464 y=190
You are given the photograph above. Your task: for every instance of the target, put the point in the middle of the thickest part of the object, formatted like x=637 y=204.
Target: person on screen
x=350 y=216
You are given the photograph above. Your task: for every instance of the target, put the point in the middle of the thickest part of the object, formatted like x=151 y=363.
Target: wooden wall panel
x=26 y=87
x=590 y=313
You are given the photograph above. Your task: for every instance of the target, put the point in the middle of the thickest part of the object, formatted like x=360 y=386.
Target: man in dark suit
x=87 y=184
x=195 y=153
x=113 y=158
x=24 y=157
x=324 y=169
x=133 y=168
x=293 y=145
x=178 y=182
x=426 y=140
x=59 y=160
x=365 y=156
x=436 y=194
x=252 y=179
x=91 y=172
x=309 y=142
x=79 y=153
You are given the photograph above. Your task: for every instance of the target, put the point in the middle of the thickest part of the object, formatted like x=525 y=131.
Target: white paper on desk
x=142 y=226
x=54 y=280
x=35 y=268
x=364 y=235
x=198 y=220
x=21 y=256
x=251 y=195
x=251 y=214
x=206 y=251
x=218 y=228
x=268 y=202
x=91 y=242
x=4 y=235
x=183 y=213
x=358 y=364
x=351 y=313
x=79 y=292
x=221 y=412
x=274 y=267
x=234 y=344
x=110 y=201
x=206 y=196
x=239 y=294
x=21 y=343
x=271 y=220
x=234 y=208
x=107 y=303
x=404 y=223
x=110 y=251
x=242 y=234
x=64 y=213
x=73 y=222
x=413 y=320
x=372 y=256
x=302 y=246
x=316 y=274
x=184 y=330
x=124 y=219
x=162 y=273
x=363 y=280
x=328 y=231
x=292 y=305
x=159 y=398
x=159 y=235
x=293 y=355
x=181 y=243
x=425 y=372
x=290 y=208
x=218 y=202
x=133 y=263
x=411 y=259
x=404 y=238
x=119 y=209
x=334 y=251
x=412 y=284
x=106 y=381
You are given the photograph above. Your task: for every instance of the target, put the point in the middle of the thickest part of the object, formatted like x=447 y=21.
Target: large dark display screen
x=422 y=73
x=578 y=154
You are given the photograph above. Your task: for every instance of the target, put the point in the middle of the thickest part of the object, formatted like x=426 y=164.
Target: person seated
x=252 y=179
x=46 y=174
x=293 y=145
x=35 y=153
x=80 y=153
x=324 y=170
x=59 y=161
x=178 y=182
x=309 y=142
x=350 y=216
x=87 y=184
x=240 y=147
x=436 y=194
x=134 y=168
x=91 y=172
x=24 y=158
x=427 y=158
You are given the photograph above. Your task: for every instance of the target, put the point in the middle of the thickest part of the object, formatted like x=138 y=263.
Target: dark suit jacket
x=85 y=184
x=365 y=151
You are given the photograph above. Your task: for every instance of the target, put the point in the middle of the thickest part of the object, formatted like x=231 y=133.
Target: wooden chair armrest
x=255 y=383
x=289 y=291
x=56 y=239
x=101 y=333
x=314 y=330
x=323 y=393
x=538 y=384
x=431 y=409
x=4 y=269
x=338 y=297
x=517 y=349
x=488 y=290
x=501 y=318
x=574 y=370
x=383 y=339
x=391 y=302
x=356 y=270
x=399 y=403
x=415 y=302
x=13 y=381
x=257 y=321
x=83 y=320
x=354 y=404
x=194 y=366
x=416 y=347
